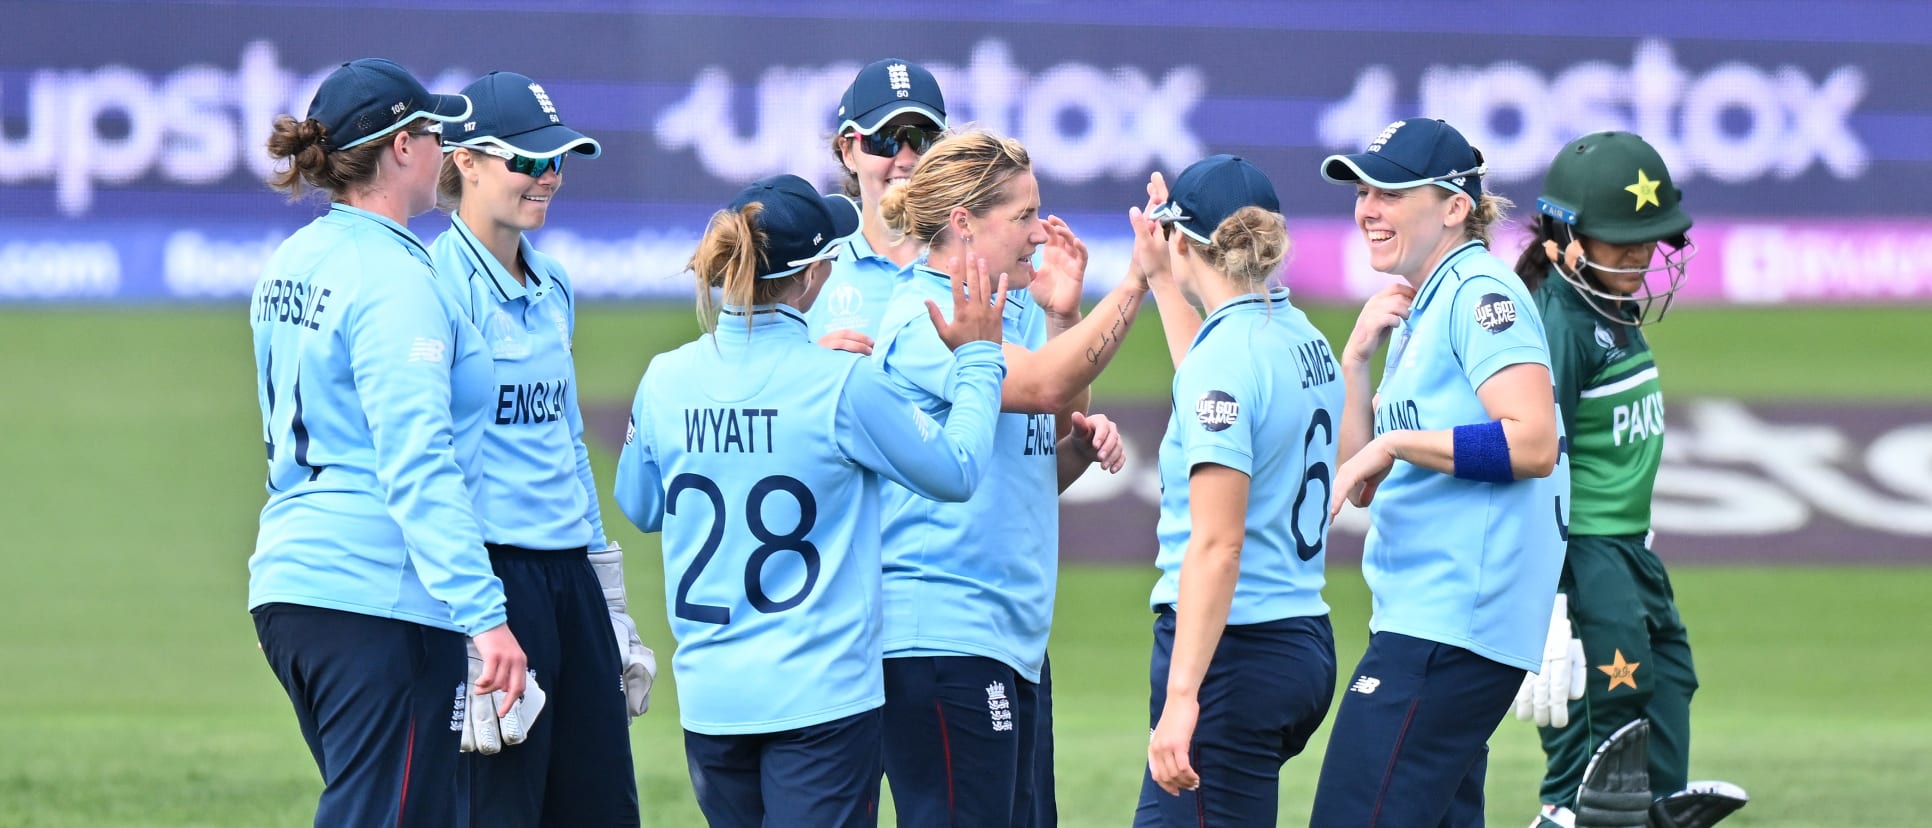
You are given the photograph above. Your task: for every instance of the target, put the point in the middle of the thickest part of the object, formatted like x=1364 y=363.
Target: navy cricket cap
x=801 y=226
x=1212 y=189
x=513 y=112
x=1411 y=153
x=366 y=99
x=888 y=88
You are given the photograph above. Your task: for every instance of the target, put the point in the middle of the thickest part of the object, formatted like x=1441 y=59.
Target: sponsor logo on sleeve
x=1217 y=410
x=1496 y=312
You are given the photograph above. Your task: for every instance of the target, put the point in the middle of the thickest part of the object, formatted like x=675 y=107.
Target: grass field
x=133 y=695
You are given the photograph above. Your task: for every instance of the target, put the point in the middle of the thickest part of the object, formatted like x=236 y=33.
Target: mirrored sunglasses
x=528 y=165
x=887 y=142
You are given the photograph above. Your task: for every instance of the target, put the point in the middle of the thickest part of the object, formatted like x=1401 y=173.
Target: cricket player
x=1243 y=666
x=889 y=116
x=1465 y=483
x=969 y=586
x=538 y=501
x=369 y=570
x=759 y=455
x=1612 y=221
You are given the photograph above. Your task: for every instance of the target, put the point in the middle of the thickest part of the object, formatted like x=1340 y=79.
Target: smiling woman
x=537 y=498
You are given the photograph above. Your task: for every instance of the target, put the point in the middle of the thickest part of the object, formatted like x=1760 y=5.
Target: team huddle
x=856 y=470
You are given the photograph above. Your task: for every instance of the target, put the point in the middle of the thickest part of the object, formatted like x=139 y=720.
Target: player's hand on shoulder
x=979 y=305
x=1380 y=315
x=846 y=339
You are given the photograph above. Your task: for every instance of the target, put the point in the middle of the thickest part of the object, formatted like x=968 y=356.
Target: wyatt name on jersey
x=721 y=430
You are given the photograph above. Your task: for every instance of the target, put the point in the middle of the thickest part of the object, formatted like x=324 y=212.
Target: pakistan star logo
x=1620 y=671
x=1645 y=190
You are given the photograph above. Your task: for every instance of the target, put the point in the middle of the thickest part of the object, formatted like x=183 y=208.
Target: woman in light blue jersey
x=369 y=569
x=889 y=116
x=1458 y=455
x=538 y=501
x=1243 y=667
x=969 y=586
x=759 y=455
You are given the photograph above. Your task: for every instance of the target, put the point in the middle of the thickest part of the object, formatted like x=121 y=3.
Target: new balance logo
x=1365 y=685
x=425 y=349
x=998 y=707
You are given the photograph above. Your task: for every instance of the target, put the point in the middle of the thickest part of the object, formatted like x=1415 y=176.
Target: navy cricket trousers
x=1410 y=746
x=968 y=743
x=574 y=769
x=375 y=698
x=1267 y=691
x=818 y=776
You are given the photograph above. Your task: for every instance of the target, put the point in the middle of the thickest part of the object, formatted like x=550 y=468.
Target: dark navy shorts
x=574 y=768
x=375 y=698
x=1266 y=693
x=968 y=742
x=823 y=775
x=1411 y=742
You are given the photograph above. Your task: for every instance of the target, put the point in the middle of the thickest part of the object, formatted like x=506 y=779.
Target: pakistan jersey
x=1613 y=410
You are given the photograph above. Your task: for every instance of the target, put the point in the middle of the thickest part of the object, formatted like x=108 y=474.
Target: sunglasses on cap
x=528 y=165
x=887 y=142
x=1168 y=214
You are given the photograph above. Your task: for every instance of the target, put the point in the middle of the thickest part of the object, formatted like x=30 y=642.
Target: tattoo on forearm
x=1112 y=336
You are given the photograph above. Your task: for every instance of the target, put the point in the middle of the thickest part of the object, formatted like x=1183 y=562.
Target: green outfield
x=134 y=696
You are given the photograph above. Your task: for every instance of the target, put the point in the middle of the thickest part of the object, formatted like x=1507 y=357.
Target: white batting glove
x=483 y=730
x=1546 y=695
x=640 y=664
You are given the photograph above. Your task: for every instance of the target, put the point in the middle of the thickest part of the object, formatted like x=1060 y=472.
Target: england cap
x=888 y=88
x=801 y=226
x=366 y=99
x=1411 y=153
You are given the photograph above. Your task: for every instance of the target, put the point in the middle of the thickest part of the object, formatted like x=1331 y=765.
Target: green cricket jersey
x=1613 y=412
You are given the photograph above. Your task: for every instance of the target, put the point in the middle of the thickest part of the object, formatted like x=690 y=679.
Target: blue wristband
x=1482 y=453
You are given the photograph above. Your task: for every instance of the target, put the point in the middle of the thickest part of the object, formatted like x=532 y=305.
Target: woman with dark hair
x=369 y=570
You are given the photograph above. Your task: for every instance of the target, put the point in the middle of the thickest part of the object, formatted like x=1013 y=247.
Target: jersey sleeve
x=1219 y=391
x=883 y=431
x=401 y=343
x=1494 y=326
x=917 y=360
x=639 y=490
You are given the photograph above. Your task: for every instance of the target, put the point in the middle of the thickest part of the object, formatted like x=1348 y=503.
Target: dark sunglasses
x=533 y=167
x=886 y=143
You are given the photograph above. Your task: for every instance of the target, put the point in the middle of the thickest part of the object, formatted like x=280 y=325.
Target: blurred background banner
x=131 y=134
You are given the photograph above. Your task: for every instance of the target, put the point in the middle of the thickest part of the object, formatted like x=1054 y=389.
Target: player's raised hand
x=976 y=317
x=846 y=339
x=1380 y=315
x=1358 y=478
x=1168 y=748
x=1096 y=439
x=1058 y=280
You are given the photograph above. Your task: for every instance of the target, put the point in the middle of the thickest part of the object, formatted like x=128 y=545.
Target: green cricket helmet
x=1614 y=187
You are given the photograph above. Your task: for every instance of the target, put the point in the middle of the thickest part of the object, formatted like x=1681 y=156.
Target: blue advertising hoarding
x=131 y=134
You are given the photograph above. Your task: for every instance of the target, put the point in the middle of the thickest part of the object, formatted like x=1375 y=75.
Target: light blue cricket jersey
x=758 y=455
x=537 y=491
x=856 y=292
x=1454 y=561
x=373 y=389
x=974 y=578
x=1258 y=392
